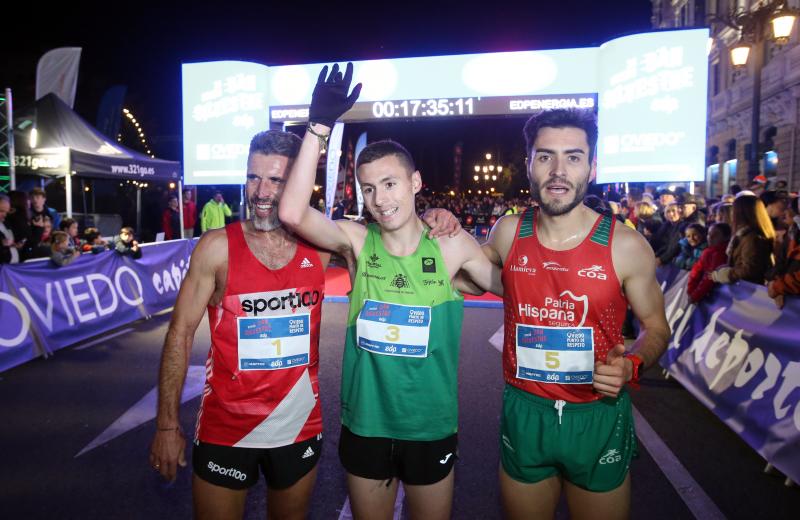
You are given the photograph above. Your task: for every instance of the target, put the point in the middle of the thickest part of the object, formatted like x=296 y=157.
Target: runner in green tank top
x=427 y=409
x=399 y=392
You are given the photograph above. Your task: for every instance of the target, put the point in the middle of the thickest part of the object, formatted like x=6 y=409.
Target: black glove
x=330 y=100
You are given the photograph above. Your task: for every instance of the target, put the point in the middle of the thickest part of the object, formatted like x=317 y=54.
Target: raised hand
x=330 y=100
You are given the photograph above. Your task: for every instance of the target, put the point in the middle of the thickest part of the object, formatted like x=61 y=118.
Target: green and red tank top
x=563 y=311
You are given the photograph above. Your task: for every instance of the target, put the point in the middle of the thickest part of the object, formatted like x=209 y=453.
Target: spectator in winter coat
x=93 y=242
x=692 y=245
x=39 y=207
x=126 y=244
x=666 y=243
x=60 y=251
x=189 y=214
x=785 y=278
x=714 y=256
x=171 y=219
x=750 y=249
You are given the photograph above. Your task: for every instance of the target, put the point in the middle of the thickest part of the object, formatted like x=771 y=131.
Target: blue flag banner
x=740 y=356
x=44 y=308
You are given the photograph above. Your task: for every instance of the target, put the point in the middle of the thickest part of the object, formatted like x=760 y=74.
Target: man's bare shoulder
x=462 y=242
x=502 y=235
x=508 y=221
x=631 y=251
x=212 y=249
x=630 y=240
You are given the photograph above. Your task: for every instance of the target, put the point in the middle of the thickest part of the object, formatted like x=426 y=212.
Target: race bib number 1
x=274 y=343
x=393 y=329
x=562 y=355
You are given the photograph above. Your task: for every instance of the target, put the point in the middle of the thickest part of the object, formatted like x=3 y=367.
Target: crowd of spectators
x=749 y=235
x=30 y=230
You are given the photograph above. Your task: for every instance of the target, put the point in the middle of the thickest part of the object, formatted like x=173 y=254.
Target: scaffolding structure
x=7 y=177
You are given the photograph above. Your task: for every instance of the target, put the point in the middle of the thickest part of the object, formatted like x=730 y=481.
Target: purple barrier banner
x=740 y=356
x=44 y=308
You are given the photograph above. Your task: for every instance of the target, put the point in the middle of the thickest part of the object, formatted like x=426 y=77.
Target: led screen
x=649 y=91
x=652 y=99
x=224 y=105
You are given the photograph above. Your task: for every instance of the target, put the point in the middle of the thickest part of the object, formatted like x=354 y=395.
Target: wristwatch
x=638 y=367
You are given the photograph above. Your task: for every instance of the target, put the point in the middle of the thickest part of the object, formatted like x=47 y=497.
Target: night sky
x=142 y=47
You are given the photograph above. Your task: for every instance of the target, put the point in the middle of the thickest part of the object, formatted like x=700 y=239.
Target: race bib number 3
x=274 y=343
x=555 y=354
x=393 y=329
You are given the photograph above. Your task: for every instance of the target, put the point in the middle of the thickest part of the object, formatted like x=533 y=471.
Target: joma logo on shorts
x=228 y=472
x=611 y=457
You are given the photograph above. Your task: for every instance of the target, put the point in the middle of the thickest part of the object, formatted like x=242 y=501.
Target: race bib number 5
x=393 y=329
x=562 y=355
x=274 y=343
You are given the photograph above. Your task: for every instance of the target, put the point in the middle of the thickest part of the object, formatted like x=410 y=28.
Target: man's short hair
x=724 y=228
x=66 y=223
x=37 y=191
x=275 y=142
x=562 y=118
x=5 y=198
x=128 y=230
x=772 y=196
x=380 y=149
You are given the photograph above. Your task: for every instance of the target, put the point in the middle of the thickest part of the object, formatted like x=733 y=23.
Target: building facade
x=730 y=95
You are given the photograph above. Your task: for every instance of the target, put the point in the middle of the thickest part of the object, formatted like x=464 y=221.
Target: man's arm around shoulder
x=465 y=251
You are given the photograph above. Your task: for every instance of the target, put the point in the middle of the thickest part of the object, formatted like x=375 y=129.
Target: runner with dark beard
x=568 y=276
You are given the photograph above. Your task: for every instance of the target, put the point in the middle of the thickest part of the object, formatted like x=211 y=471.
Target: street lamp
x=487 y=171
x=752 y=25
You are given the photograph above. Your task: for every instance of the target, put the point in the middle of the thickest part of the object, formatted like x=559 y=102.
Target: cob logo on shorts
x=611 y=457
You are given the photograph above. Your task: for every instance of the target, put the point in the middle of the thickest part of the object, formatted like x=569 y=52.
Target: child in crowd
x=70 y=227
x=60 y=251
x=692 y=245
x=92 y=241
x=125 y=244
x=714 y=256
x=41 y=235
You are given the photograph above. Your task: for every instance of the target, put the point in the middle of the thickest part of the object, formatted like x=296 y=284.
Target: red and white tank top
x=563 y=311
x=262 y=388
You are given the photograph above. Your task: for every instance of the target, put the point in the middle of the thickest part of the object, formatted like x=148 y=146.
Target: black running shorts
x=237 y=468
x=416 y=463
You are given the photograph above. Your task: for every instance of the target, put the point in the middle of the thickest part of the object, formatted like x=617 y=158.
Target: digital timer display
x=423 y=108
x=443 y=107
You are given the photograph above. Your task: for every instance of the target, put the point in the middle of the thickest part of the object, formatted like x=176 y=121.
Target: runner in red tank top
x=260 y=411
x=260 y=408
x=568 y=275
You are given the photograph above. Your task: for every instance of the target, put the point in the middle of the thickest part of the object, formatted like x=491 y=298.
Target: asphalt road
x=77 y=429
